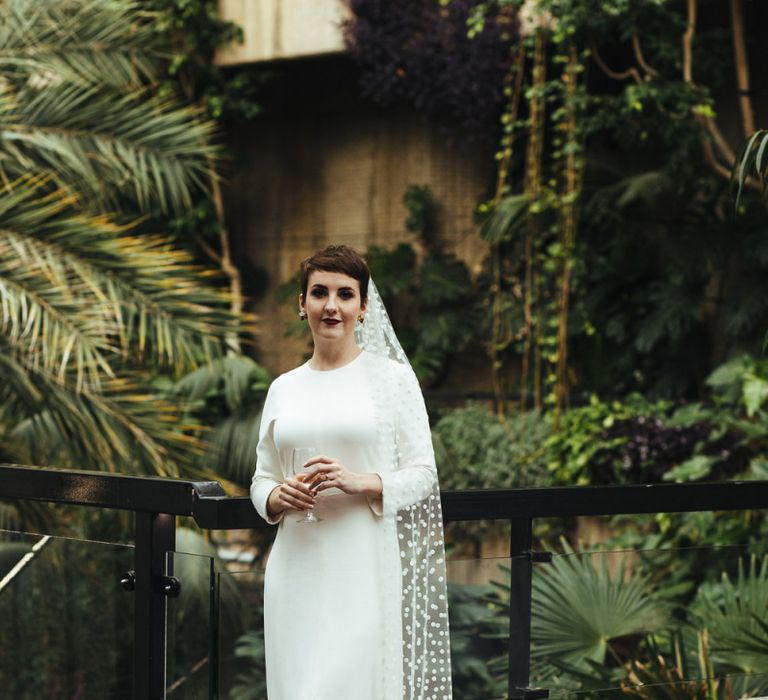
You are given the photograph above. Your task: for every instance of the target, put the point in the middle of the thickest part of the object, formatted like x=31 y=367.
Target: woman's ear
x=364 y=304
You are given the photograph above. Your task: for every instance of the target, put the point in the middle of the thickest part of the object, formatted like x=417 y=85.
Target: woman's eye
x=317 y=293
x=346 y=295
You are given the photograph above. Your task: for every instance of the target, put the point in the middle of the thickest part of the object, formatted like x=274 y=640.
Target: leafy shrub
x=611 y=442
x=476 y=451
x=420 y=52
x=479 y=631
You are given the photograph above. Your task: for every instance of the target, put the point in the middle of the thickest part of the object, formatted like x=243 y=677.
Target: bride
x=355 y=603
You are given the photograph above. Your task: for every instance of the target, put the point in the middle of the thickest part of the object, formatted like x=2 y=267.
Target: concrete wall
x=324 y=166
x=276 y=29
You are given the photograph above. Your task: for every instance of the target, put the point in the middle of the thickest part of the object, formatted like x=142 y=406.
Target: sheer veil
x=414 y=598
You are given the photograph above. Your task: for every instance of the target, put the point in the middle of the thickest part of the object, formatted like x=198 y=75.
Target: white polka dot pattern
x=417 y=658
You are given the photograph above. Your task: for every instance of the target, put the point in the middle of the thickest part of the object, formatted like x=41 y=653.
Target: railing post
x=519 y=605
x=520 y=595
x=155 y=537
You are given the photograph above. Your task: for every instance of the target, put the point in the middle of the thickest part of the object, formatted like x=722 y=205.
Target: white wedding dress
x=355 y=607
x=329 y=586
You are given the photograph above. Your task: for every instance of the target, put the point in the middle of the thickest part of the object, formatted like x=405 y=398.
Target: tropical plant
x=665 y=677
x=581 y=610
x=751 y=160
x=478 y=641
x=94 y=304
x=226 y=396
x=735 y=613
x=475 y=450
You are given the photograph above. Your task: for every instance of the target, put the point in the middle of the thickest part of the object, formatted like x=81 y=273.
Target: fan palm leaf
x=579 y=607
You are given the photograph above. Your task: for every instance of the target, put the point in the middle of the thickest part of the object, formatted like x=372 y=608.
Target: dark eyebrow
x=341 y=289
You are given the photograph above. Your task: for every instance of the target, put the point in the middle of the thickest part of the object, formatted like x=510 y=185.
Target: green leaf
x=729 y=373
x=696 y=467
x=507 y=219
x=755 y=393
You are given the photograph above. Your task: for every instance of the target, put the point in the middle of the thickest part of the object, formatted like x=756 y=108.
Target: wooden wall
x=324 y=166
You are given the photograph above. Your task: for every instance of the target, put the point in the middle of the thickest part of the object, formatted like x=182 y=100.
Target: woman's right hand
x=292 y=494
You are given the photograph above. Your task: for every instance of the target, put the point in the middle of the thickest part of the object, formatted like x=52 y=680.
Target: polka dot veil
x=414 y=598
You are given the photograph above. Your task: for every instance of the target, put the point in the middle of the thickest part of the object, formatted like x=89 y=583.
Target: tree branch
x=711 y=134
x=650 y=71
x=629 y=73
x=690 y=31
x=742 y=67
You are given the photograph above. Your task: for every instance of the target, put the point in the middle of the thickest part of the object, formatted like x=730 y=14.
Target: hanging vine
x=502 y=336
x=574 y=164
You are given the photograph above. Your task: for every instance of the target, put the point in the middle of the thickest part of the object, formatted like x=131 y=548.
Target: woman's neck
x=331 y=355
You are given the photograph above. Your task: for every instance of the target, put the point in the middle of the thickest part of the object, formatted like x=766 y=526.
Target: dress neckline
x=335 y=369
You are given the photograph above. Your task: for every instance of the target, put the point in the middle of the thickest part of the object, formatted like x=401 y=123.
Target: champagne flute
x=300 y=456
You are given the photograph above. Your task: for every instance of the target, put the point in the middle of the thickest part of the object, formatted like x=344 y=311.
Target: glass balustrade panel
x=67 y=622
x=241 y=639
x=191 y=641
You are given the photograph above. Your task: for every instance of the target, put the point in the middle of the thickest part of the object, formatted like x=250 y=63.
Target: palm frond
x=579 y=607
x=736 y=614
x=103 y=144
x=233 y=376
x=231 y=447
x=101 y=288
x=752 y=159
x=78 y=41
x=122 y=428
x=507 y=218
x=240 y=384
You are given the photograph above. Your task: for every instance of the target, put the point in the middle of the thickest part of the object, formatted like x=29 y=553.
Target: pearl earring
x=303 y=315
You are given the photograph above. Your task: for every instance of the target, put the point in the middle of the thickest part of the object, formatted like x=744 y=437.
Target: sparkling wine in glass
x=300 y=457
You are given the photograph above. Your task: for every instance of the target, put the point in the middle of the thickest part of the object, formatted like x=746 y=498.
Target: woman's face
x=332 y=305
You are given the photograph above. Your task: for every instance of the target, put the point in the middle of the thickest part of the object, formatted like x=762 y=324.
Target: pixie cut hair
x=337 y=258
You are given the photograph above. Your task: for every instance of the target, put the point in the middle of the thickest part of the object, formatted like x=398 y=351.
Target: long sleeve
x=414 y=474
x=268 y=474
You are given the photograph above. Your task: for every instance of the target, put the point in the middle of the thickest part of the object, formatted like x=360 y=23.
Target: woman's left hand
x=327 y=473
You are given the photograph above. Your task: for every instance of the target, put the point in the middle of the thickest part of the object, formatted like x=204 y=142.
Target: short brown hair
x=337 y=258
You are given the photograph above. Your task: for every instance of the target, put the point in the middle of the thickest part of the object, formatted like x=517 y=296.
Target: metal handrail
x=156 y=502
x=212 y=508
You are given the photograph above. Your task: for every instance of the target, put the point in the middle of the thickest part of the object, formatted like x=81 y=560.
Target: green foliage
x=251 y=683
x=580 y=609
x=736 y=615
x=432 y=304
x=227 y=396
x=585 y=450
x=194 y=31
x=751 y=160
x=95 y=306
x=479 y=630
x=421 y=206
x=476 y=451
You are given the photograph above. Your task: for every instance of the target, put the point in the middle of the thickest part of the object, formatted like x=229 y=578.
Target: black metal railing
x=156 y=502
